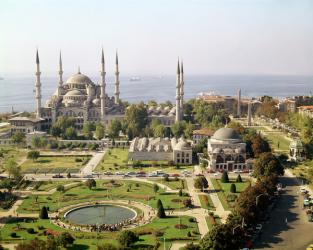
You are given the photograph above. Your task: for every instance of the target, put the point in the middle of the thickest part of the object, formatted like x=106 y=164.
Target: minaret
x=38 y=87
x=102 y=87
x=178 y=111
x=239 y=103
x=117 y=81
x=182 y=83
x=249 y=114
x=60 y=76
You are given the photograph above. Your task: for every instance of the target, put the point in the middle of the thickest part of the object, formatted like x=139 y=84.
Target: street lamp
x=258 y=197
x=235 y=229
x=164 y=243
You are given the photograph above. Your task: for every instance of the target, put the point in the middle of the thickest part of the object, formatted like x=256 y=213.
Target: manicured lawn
x=48 y=185
x=116 y=160
x=167 y=226
x=212 y=221
x=55 y=162
x=275 y=138
x=127 y=190
x=172 y=183
x=91 y=240
x=10 y=152
x=223 y=190
x=206 y=202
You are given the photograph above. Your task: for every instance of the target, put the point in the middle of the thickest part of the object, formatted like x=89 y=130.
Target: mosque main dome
x=225 y=134
x=79 y=81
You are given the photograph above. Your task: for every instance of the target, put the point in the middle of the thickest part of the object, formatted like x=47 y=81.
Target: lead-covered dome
x=226 y=134
x=79 y=81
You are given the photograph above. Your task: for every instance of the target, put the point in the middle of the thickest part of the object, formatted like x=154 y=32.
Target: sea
x=18 y=93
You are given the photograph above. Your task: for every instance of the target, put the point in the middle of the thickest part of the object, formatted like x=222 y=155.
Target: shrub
x=180 y=192
x=158 y=233
x=78 y=160
x=127 y=238
x=239 y=178
x=61 y=188
x=43 y=213
x=233 y=188
x=181 y=226
x=30 y=230
x=160 y=208
x=191 y=219
x=189 y=234
x=225 y=178
x=13 y=235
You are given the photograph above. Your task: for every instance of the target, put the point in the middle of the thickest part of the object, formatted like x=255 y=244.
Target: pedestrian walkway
x=220 y=211
x=93 y=162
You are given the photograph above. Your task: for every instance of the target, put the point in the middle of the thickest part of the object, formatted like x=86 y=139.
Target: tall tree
x=178 y=128
x=18 y=137
x=99 y=133
x=266 y=165
x=33 y=155
x=13 y=169
x=137 y=119
x=114 y=128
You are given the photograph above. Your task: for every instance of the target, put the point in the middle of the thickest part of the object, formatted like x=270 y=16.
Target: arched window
x=219 y=159
x=228 y=158
x=241 y=159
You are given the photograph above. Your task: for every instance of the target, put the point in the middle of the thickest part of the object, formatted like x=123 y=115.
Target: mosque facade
x=80 y=98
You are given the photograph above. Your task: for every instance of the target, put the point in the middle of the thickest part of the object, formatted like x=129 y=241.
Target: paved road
x=297 y=233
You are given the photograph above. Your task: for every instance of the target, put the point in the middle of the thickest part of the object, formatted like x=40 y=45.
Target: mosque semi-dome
x=74 y=92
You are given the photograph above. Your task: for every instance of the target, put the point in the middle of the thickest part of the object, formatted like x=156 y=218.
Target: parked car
x=152 y=175
x=258 y=227
x=126 y=176
x=119 y=173
x=57 y=176
x=132 y=173
x=175 y=175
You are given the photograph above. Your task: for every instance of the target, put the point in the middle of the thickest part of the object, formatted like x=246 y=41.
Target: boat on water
x=135 y=79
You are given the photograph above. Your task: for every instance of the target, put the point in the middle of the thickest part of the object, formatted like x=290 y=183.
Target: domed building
x=85 y=101
x=226 y=151
x=161 y=149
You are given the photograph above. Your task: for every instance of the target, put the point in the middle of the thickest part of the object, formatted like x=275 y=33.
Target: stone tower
x=102 y=87
x=38 y=87
x=249 y=114
x=60 y=76
x=182 y=83
x=117 y=81
x=178 y=111
x=239 y=103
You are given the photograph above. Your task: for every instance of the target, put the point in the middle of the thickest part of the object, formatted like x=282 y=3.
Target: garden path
x=93 y=162
x=220 y=211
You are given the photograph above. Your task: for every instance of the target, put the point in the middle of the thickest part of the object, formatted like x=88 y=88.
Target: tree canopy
x=266 y=165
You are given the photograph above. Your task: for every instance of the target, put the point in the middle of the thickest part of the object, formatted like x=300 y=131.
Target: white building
x=161 y=149
x=226 y=151
x=296 y=150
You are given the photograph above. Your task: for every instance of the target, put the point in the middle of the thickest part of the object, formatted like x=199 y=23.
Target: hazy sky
x=212 y=36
